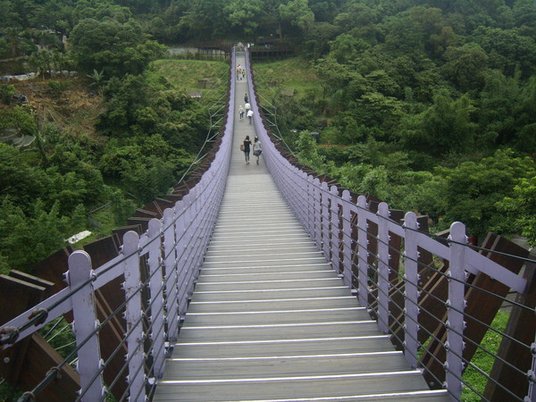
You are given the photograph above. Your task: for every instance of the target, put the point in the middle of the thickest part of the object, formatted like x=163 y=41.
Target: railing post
x=302 y=176
x=335 y=229
x=318 y=213
x=170 y=279
x=197 y=221
x=85 y=326
x=455 y=309
x=411 y=292
x=188 y=250
x=134 y=316
x=156 y=302
x=531 y=375
x=181 y=264
x=311 y=208
x=325 y=220
x=383 y=268
x=362 y=253
x=347 y=238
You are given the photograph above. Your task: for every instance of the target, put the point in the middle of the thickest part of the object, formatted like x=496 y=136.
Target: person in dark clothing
x=246 y=98
x=247 y=148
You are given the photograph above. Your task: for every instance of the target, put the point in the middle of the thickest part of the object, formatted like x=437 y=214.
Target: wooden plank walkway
x=270 y=320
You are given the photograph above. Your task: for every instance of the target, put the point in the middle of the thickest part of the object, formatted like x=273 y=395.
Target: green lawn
x=293 y=75
x=209 y=78
x=483 y=360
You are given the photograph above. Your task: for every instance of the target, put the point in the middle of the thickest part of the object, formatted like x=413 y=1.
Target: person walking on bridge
x=247 y=148
x=257 y=148
x=250 y=115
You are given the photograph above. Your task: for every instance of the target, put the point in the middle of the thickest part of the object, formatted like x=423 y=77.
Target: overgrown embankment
x=100 y=150
x=490 y=188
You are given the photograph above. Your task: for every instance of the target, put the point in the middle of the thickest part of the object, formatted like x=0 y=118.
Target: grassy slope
x=74 y=107
x=185 y=75
x=483 y=360
x=182 y=75
x=294 y=74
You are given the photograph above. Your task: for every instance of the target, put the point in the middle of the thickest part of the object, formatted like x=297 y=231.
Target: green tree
x=508 y=50
x=474 y=191
x=26 y=238
x=113 y=47
x=519 y=210
x=244 y=14
x=444 y=127
x=524 y=13
x=203 y=19
x=6 y=93
x=466 y=66
x=124 y=97
x=296 y=16
x=498 y=114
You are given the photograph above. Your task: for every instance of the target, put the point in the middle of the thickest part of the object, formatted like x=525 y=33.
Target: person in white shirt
x=250 y=115
x=257 y=148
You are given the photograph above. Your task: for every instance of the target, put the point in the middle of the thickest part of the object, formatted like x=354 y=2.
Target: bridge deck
x=270 y=320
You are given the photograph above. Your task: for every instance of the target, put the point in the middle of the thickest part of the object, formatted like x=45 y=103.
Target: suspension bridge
x=265 y=283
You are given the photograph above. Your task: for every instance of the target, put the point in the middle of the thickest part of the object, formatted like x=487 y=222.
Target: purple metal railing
x=172 y=251
x=330 y=217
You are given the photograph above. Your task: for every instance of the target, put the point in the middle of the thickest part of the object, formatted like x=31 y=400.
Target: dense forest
x=427 y=104
x=82 y=152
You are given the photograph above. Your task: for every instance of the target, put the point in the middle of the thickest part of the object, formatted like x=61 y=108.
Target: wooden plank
x=283 y=366
x=53 y=269
x=285 y=347
x=304 y=387
x=248 y=306
x=272 y=294
x=40 y=358
x=16 y=296
x=514 y=359
x=276 y=318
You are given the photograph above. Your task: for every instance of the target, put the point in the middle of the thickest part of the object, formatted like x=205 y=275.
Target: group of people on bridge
x=246 y=144
x=245 y=110
x=246 y=148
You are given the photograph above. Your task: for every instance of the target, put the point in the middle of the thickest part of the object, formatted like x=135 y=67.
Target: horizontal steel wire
x=453 y=330
x=435 y=237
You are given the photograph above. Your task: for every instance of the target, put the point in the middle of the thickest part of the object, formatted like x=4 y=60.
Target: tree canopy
x=427 y=104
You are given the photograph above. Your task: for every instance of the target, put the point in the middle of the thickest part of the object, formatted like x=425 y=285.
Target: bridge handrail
x=168 y=255
x=341 y=228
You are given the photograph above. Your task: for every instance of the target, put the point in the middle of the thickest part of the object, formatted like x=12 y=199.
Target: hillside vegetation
x=80 y=153
x=426 y=104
